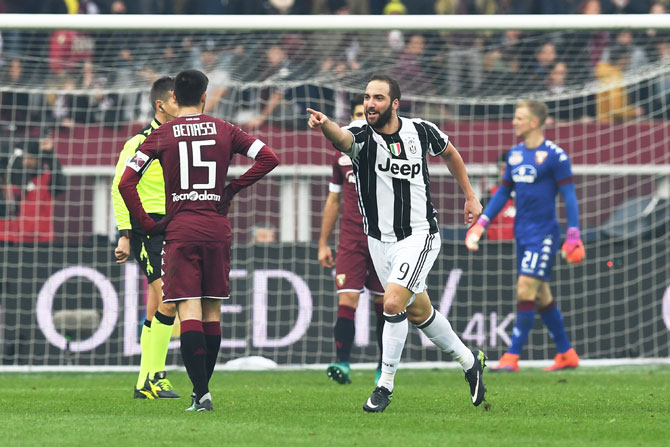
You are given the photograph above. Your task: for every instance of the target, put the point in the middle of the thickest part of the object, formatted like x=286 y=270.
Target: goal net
x=76 y=87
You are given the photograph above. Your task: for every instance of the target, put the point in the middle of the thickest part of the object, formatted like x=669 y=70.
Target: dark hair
x=160 y=90
x=356 y=100
x=394 y=88
x=189 y=85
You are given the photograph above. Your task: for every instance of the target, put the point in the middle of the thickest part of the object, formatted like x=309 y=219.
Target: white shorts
x=406 y=262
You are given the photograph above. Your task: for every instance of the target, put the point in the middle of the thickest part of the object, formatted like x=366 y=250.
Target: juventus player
x=195 y=151
x=389 y=158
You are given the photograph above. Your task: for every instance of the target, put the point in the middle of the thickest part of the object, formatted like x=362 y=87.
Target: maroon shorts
x=354 y=269
x=194 y=270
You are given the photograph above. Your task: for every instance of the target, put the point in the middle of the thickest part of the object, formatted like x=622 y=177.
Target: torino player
x=353 y=268
x=195 y=151
x=536 y=170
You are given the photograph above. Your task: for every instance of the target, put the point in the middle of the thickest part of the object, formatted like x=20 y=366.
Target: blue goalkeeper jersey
x=536 y=175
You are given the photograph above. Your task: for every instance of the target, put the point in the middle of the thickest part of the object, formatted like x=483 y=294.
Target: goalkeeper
x=152 y=382
x=536 y=170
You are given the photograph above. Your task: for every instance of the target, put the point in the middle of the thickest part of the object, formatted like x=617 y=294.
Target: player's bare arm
x=341 y=139
x=452 y=158
x=330 y=213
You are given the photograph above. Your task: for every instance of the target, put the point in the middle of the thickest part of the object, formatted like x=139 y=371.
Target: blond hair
x=537 y=109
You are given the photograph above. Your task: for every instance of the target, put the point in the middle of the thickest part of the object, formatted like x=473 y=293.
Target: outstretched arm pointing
x=341 y=139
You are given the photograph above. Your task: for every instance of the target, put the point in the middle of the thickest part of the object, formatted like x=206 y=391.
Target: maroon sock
x=194 y=355
x=212 y=331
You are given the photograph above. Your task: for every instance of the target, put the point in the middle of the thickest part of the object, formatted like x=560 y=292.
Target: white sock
x=439 y=331
x=393 y=342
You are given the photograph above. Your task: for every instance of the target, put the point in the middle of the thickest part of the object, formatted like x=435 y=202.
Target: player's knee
x=393 y=306
x=169 y=309
x=348 y=299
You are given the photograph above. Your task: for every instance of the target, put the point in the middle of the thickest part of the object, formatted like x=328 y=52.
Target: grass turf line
x=618 y=406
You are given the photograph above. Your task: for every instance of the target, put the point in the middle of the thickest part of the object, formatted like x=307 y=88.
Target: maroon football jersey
x=344 y=182
x=195 y=152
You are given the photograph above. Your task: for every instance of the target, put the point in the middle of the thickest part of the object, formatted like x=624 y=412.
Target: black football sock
x=212 y=331
x=379 y=311
x=194 y=355
x=344 y=332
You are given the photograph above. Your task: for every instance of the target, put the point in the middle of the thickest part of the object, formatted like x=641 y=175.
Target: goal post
x=83 y=81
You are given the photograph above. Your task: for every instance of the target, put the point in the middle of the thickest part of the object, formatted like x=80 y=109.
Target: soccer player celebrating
x=390 y=165
x=195 y=151
x=536 y=170
x=156 y=332
x=354 y=268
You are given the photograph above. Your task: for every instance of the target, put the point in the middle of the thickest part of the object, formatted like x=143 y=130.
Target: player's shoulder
x=357 y=125
x=555 y=150
x=418 y=122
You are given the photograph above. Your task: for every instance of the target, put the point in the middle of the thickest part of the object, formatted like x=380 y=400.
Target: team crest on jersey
x=515 y=158
x=411 y=142
x=540 y=156
x=395 y=148
x=351 y=178
x=340 y=278
x=344 y=160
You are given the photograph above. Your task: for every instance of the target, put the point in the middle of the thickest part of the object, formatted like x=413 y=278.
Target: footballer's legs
x=211 y=316
x=527 y=289
x=344 y=332
x=379 y=311
x=438 y=330
x=553 y=320
x=143 y=388
x=193 y=345
x=161 y=332
x=394 y=335
x=395 y=330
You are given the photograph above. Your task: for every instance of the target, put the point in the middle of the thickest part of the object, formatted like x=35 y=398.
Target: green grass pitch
x=615 y=406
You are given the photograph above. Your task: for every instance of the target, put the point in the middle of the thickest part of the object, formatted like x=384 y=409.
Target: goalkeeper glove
x=474 y=234
x=573 y=247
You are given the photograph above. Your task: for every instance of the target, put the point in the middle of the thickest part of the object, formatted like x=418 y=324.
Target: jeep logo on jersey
x=193 y=196
x=395 y=148
x=524 y=174
x=402 y=169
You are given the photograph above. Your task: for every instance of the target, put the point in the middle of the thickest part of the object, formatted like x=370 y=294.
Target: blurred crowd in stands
x=87 y=75
x=320 y=6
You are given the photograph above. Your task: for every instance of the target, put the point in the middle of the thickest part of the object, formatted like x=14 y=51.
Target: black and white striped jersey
x=392 y=177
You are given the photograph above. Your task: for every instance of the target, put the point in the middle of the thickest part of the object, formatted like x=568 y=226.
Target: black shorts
x=147 y=250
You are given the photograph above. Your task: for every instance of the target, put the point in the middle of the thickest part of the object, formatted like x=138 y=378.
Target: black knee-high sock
x=344 y=332
x=212 y=331
x=194 y=355
x=379 y=311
